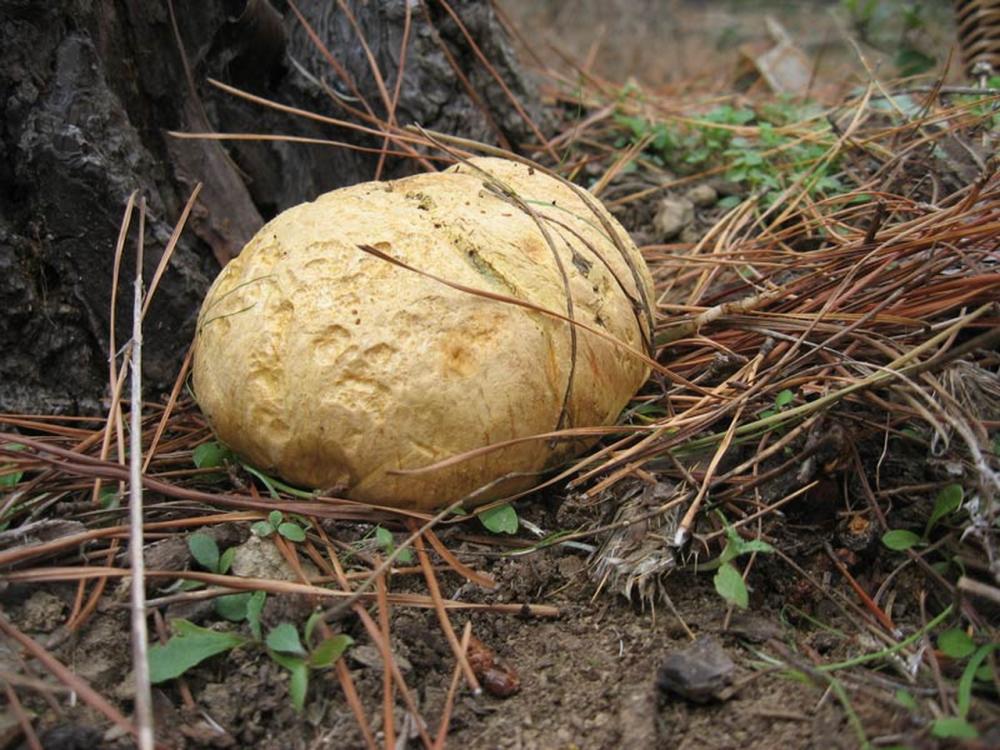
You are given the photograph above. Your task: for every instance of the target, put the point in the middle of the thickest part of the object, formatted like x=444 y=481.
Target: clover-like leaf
x=205 y=550
x=285 y=639
x=500 y=520
x=262 y=529
x=292 y=532
x=210 y=455
x=233 y=606
x=956 y=643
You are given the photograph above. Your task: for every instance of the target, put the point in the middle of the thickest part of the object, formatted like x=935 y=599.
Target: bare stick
x=140 y=662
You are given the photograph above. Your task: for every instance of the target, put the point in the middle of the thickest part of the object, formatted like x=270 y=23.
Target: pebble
x=697 y=672
x=672 y=217
x=702 y=196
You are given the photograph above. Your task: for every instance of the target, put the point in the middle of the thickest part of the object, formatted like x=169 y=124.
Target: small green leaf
x=254 y=607
x=190 y=645
x=953 y=727
x=405 y=556
x=384 y=539
x=275 y=518
x=10 y=480
x=285 y=639
x=211 y=454
x=226 y=560
x=500 y=520
x=729 y=584
x=906 y=700
x=900 y=539
x=730 y=201
x=947 y=502
x=941 y=567
x=292 y=532
x=233 y=607
x=327 y=653
x=204 y=550
x=784 y=398
x=109 y=499
x=969 y=675
x=956 y=643
x=311 y=624
x=262 y=529
x=298 y=684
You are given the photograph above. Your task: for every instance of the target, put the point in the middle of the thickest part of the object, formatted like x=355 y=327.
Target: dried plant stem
x=435 y=590
x=22 y=717
x=140 y=644
x=449 y=702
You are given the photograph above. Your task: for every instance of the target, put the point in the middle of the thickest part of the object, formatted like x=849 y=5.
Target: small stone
x=754 y=628
x=42 y=612
x=260 y=558
x=672 y=217
x=725 y=188
x=698 y=672
x=702 y=196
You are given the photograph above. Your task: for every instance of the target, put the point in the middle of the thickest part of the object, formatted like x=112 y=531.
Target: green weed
x=276 y=522
x=764 y=150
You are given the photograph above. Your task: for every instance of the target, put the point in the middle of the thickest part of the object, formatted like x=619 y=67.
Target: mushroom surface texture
x=323 y=363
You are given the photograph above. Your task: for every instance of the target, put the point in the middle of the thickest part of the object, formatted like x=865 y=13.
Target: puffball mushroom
x=321 y=361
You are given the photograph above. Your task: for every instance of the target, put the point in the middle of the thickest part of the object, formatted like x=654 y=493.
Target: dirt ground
x=588 y=678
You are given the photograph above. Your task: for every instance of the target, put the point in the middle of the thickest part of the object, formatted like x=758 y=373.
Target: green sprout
x=276 y=522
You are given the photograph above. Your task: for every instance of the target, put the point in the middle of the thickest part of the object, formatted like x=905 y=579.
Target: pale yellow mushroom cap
x=333 y=368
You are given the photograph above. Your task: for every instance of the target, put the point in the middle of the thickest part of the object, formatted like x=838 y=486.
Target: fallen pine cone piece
x=497 y=679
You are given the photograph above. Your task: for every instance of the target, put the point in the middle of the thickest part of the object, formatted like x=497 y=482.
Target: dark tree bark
x=90 y=89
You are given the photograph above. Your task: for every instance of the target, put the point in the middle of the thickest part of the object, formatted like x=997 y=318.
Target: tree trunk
x=90 y=91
